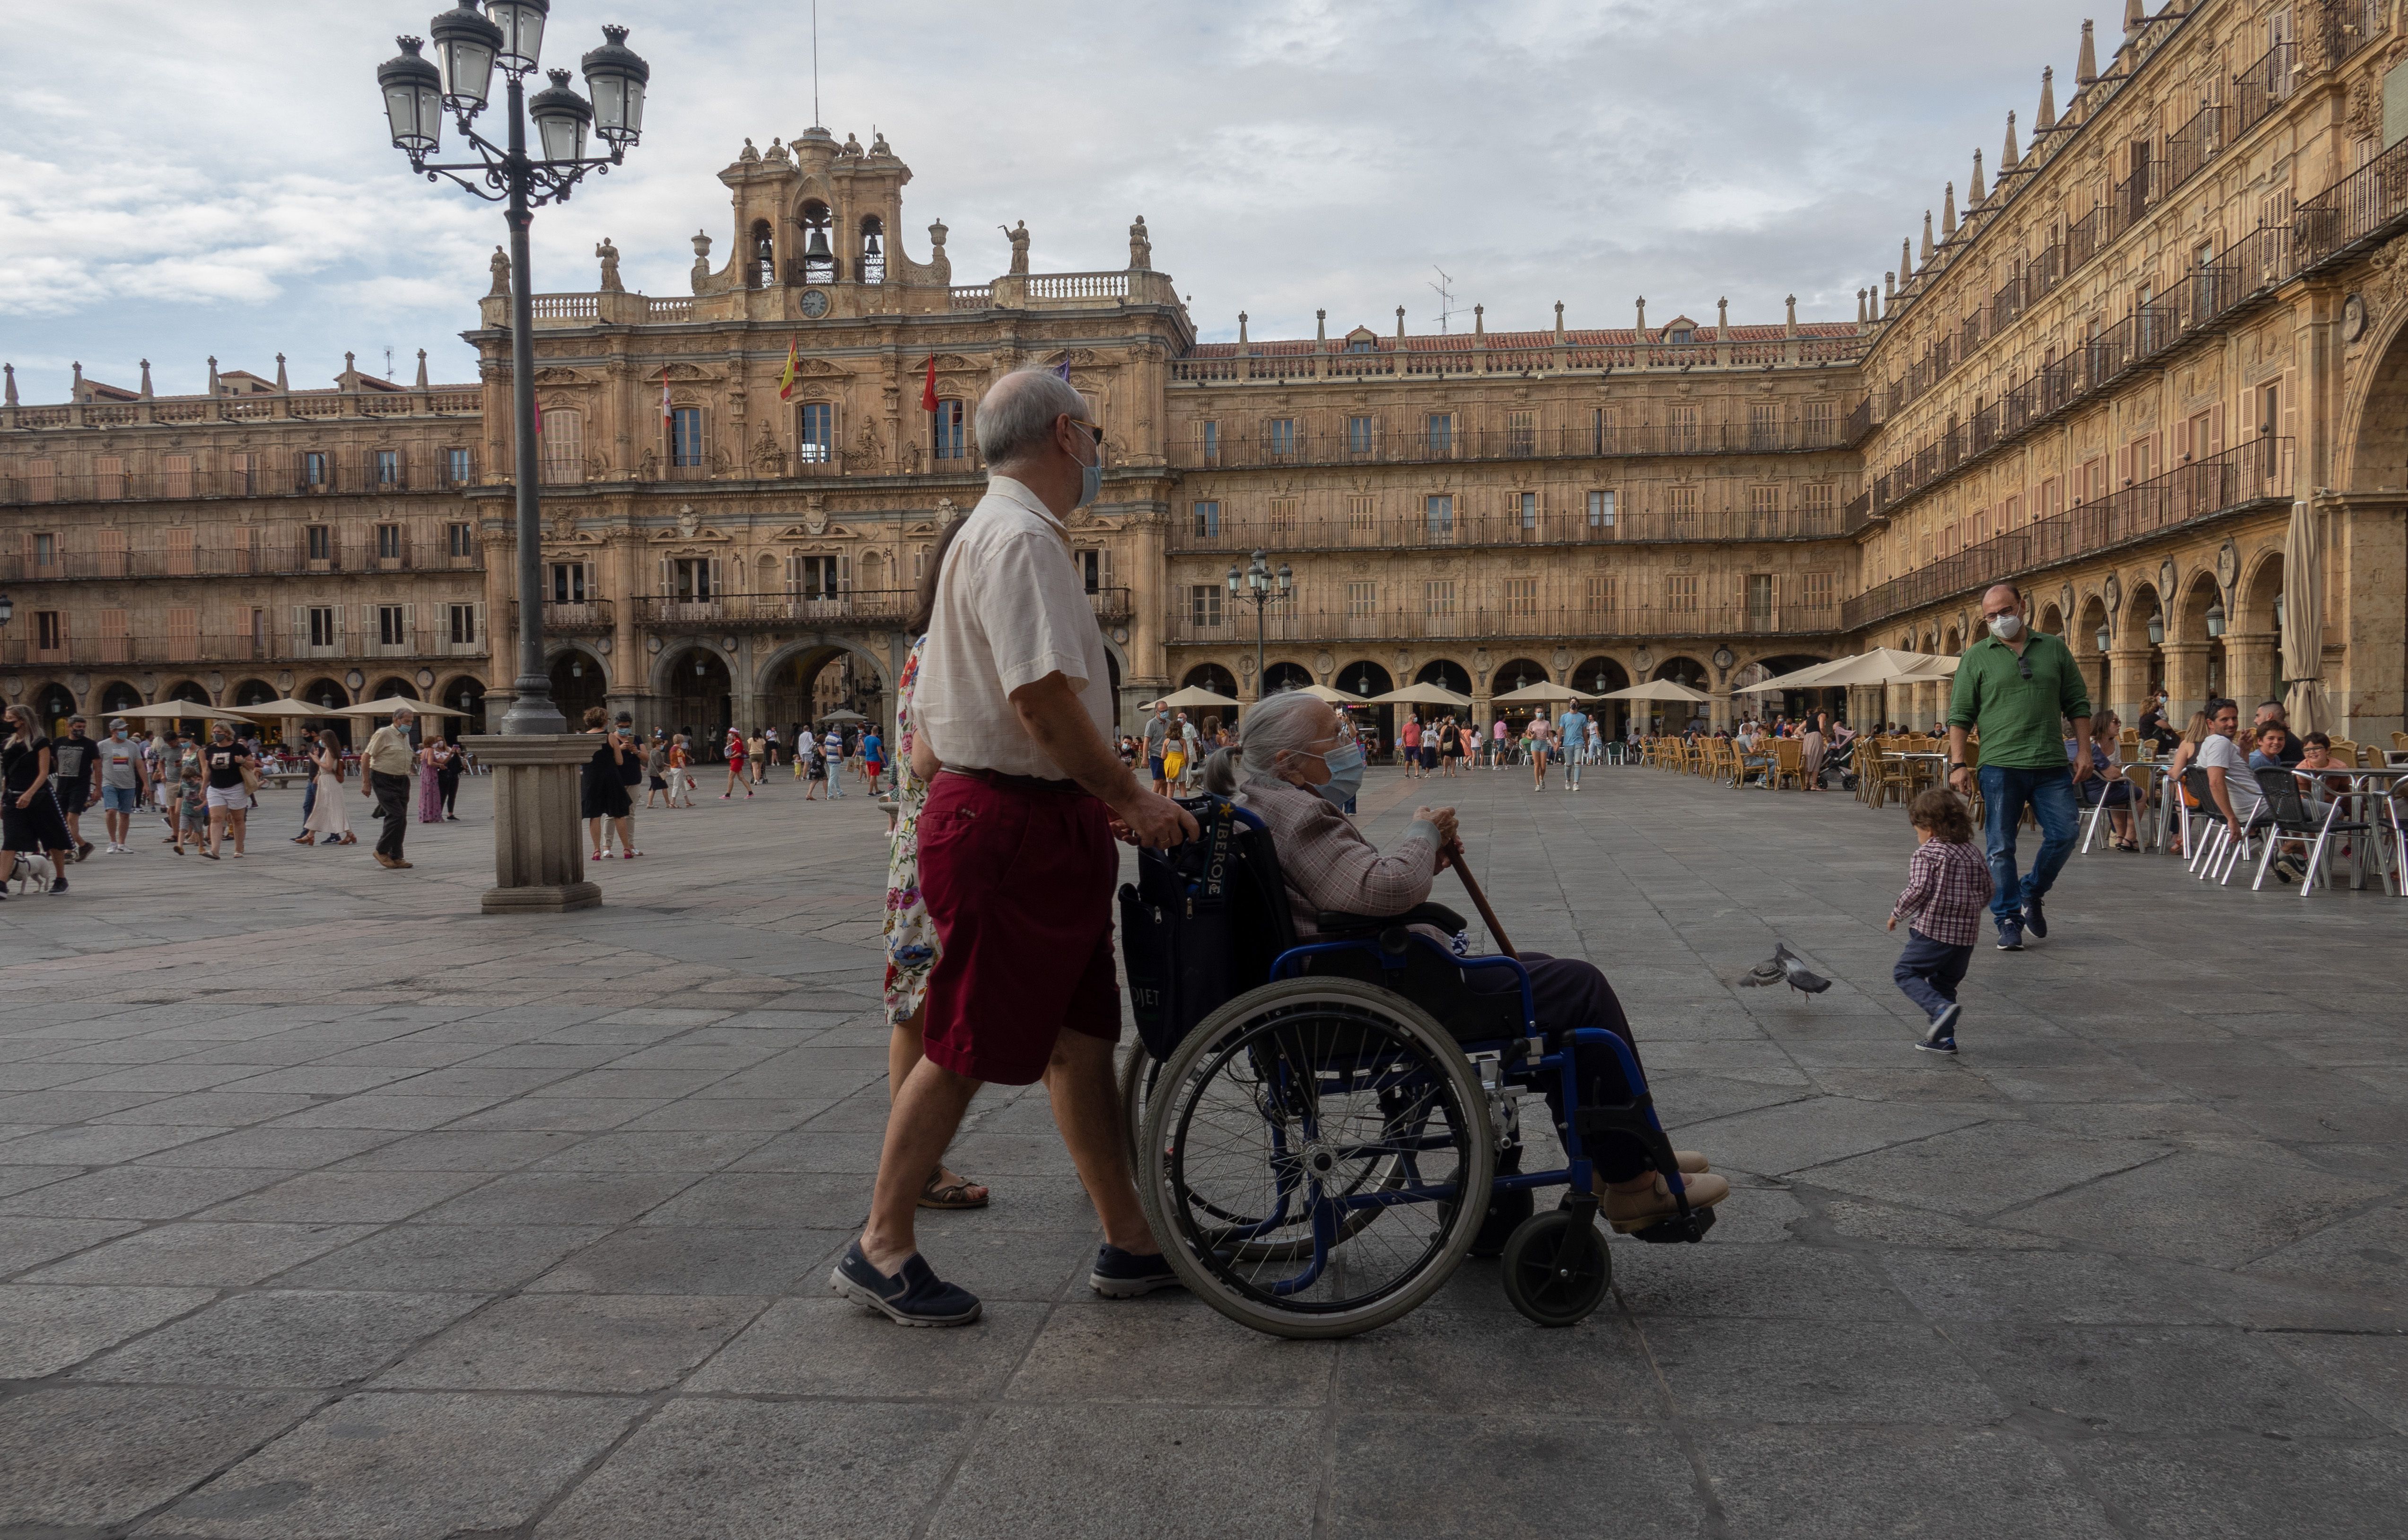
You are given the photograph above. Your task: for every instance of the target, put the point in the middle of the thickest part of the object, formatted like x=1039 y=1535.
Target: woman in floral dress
x=912 y=941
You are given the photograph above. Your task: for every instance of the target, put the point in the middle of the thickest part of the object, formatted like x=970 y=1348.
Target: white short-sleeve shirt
x=1009 y=611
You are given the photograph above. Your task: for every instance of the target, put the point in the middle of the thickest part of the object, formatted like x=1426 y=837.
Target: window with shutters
x=1207 y=521
x=108 y=476
x=183 y=634
x=1600 y=599
x=242 y=474
x=176 y=475
x=1981 y=525
x=1521 y=433
x=50 y=635
x=815 y=432
x=1605 y=430
x=817 y=577
x=2011 y=514
x=1685 y=437
x=1818 y=504
x=1763 y=511
x=388 y=468
x=463 y=624
x=41 y=481
x=560 y=438
x=569 y=582
x=460 y=540
x=181 y=560
x=1438 y=597
x=1600 y=510
x=1437 y=518
x=1523 y=507
x=1760 y=591
x=1278 y=438
x=690 y=579
x=456 y=466
x=1358 y=436
x=1204 y=606
x=1096 y=570
x=2052 y=500
x=1362 y=519
x=46 y=554
x=112 y=552
x=1681 y=594
x=952 y=432
x=1816 y=590
x=1362 y=600
x=316 y=471
x=1764 y=424
x=1207 y=443
x=1522 y=598
x=321 y=627
x=1439 y=431
x=1682 y=503
x=1821 y=430
x=687 y=449
x=116 y=637
x=321 y=540
x=388 y=542
x=1282 y=515
x=392 y=630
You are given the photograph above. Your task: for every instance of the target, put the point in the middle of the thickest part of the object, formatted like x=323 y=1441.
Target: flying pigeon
x=1783 y=966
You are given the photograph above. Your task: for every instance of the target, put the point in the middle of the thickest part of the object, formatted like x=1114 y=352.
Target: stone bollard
x=538 y=856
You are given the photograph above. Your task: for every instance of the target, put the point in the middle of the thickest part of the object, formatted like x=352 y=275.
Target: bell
x=869 y=246
x=818 y=248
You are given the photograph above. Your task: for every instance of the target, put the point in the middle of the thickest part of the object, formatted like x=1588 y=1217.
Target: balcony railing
x=885 y=608
x=2256 y=472
x=279 y=475
x=1269 y=447
x=1537 y=620
x=270 y=644
x=338 y=555
x=588 y=617
x=1296 y=361
x=1462 y=531
x=1113 y=606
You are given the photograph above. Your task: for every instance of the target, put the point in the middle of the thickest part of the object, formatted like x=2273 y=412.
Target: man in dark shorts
x=1016 y=855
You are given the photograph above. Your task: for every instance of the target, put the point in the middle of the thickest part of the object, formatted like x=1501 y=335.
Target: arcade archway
x=577 y=685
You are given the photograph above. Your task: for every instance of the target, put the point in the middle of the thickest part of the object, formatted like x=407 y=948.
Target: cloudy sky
x=185 y=178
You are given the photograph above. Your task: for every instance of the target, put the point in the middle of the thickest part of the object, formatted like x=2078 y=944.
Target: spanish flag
x=928 y=390
x=793 y=366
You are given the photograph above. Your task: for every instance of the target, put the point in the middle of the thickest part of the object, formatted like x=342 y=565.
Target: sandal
x=951 y=1194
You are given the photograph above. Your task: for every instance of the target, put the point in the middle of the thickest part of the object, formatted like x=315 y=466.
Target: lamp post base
x=539 y=859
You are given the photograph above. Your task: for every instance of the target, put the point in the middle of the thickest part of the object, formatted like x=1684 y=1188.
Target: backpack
x=1176 y=936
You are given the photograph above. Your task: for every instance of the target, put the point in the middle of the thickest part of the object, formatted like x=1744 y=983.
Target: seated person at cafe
x=1294 y=765
x=2107 y=784
x=2271 y=714
x=2273 y=750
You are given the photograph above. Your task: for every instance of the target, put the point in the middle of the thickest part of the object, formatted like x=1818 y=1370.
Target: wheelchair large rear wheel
x=1315 y=1158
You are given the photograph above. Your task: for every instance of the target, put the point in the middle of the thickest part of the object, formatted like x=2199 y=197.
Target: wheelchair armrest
x=1333 y=922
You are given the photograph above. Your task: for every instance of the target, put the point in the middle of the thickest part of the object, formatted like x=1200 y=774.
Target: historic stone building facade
x=2176 y=310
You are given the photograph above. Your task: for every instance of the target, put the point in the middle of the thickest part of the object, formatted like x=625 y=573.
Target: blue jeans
x=2005 y=790
x=1928 y=972
x=308 y=802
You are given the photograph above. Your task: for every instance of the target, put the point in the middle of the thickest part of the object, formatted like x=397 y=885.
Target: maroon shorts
x=1018 y=884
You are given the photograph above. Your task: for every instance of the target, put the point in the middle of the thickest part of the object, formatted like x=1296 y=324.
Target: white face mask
x=2007 y=626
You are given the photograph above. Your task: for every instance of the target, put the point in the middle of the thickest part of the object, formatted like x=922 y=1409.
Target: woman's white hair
x=1016 y=415
x=1282 y=723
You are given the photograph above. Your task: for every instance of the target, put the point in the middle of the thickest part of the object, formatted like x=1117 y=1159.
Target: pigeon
x=1783 y=966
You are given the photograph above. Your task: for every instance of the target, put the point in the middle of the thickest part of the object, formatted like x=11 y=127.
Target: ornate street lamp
x=2215 y=619
x=2158 y=630
x=469 y=45
x=1258 y=585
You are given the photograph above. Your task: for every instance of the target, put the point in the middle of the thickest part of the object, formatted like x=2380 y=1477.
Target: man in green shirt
x=2015 y=686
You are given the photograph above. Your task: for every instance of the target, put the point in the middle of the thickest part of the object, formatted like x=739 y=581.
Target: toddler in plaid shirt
x=1948 y=885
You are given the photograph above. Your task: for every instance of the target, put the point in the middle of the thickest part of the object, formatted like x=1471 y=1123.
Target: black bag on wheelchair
x=1176 y=938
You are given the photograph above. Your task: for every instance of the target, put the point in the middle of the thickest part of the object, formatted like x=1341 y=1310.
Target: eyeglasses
x=1095 y=428
x=2023 y=665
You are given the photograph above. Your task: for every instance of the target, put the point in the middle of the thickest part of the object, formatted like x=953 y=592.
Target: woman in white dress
x=327 y=824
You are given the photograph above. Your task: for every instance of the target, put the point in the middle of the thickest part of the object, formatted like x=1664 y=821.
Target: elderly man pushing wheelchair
x=1295 y=766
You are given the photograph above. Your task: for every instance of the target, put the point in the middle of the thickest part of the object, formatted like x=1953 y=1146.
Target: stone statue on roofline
x=1019 y=238
x=501 y=267
x=1141 y=247
x=610 y=256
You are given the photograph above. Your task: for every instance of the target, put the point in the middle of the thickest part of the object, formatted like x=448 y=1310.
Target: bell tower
x=815 y=225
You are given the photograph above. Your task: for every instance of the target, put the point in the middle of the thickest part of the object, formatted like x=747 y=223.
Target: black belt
x=1018 y=783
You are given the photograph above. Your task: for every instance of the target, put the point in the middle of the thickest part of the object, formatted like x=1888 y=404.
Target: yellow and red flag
x=794 y=366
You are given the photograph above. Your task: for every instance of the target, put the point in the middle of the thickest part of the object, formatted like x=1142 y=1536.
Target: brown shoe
x=1691 y=1162
x=398 y=864
x=1629 y=1211
x=383 y=859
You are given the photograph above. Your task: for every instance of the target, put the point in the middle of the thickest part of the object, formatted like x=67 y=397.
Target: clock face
x=815 y=303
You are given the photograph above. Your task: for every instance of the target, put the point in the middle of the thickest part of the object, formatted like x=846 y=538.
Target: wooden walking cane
x=1479 y=899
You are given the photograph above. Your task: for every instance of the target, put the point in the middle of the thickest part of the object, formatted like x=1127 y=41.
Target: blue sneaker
x=2035 y=918
x=1944 y=1029
x=1125 y=1274
x=915 y=1296
x=2011 y=935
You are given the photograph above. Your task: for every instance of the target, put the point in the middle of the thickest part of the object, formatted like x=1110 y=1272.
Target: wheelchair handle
x=1454 y=854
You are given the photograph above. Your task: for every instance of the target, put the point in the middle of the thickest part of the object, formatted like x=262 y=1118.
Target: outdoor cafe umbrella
x=1340 y=699
x=1797 y=679
x=2303 y=621
x=1195 y=695
x=1657 y=689
x=287 y=710
x=1884 y=665
x=1546 y=692
x=1424 y=694
x=842 y=716
x=393 y=703
x=168 y=710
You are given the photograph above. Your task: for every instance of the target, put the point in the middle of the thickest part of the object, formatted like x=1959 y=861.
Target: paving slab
x=90 y=1460
x=44 y=1328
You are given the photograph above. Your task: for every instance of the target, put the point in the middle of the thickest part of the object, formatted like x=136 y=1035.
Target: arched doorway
x=701 y=701
x=1595 y=676
x=1366 y=679
x=393 y=688
x=1446 y=674
x=2089 y=644
x=2196 y=603
x=1285 y=676
x=1212 y=677
x=1513 y=675
x=578 y=684
x=1797 y=704
x=258 y=692
x=2259 y=619
x=118 y=696
x=189 y=689
x=53 y=706
x=1678 y=714
x=2145 y=624
x=464 y=693
x=806 y=685
x=330 y=695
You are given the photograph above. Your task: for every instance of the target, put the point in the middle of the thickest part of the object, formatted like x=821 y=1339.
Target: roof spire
x=213 y=374
x=422 y=368
x=1948 y=215
x=2134 y=15
x=2085 y=66
x=2008 y=156
x=1927 y=247
x=8 y=391
x=1643 y=318
x=2046 y=118
x=1906 y=256
x=145 y=379
x=1974 y=194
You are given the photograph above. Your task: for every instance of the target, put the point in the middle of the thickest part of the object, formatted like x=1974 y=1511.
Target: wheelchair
x=1323 y=1130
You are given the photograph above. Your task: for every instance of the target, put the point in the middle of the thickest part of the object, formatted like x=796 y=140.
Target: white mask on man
x=2007 y=626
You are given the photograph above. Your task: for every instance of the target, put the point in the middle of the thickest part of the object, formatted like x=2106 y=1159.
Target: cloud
x=173 y=190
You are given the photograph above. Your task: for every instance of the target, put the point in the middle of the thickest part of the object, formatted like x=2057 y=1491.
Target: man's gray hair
x=400 y=712
x=1016 y=415
x=1282 y=723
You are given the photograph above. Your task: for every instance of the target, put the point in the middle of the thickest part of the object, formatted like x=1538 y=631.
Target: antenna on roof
x=1445 y=296
x=388 y=360
x=815 y=63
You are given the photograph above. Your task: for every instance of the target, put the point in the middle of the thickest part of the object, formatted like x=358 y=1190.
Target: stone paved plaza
x=330 y=1208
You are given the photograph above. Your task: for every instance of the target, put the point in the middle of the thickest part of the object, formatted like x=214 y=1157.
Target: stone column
x=538 y=856
x=2128 y=682
x=2250 y=668
x=2185 y=679
x=1718 y=709
x=630 y=666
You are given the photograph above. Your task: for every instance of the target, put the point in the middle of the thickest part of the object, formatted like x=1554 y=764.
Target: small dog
x=34 y=872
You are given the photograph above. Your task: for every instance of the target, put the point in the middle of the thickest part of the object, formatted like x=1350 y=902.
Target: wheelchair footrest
x=1679 y=1229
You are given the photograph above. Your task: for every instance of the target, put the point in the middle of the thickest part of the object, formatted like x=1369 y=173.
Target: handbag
x=250 y=782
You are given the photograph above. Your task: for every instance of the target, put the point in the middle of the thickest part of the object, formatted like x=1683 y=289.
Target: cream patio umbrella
x=1194 y=695
x=1797 y=679
x=1340 y=699
x=1424 y=694
x=1885 y=666
x=1546 y=692
x=393 y=703
x=168 y=710
x=1657 y=689
x=2303 y=621
x=289 y=710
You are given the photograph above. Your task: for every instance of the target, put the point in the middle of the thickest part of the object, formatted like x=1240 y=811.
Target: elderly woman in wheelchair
x=1326 y=1146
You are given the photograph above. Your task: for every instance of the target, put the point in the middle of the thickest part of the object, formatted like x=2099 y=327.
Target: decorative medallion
x=2353 y=318
x=814 y=304
x=652 y=644
x=2228 y=567
x=425 y=679
x=1724 y=658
